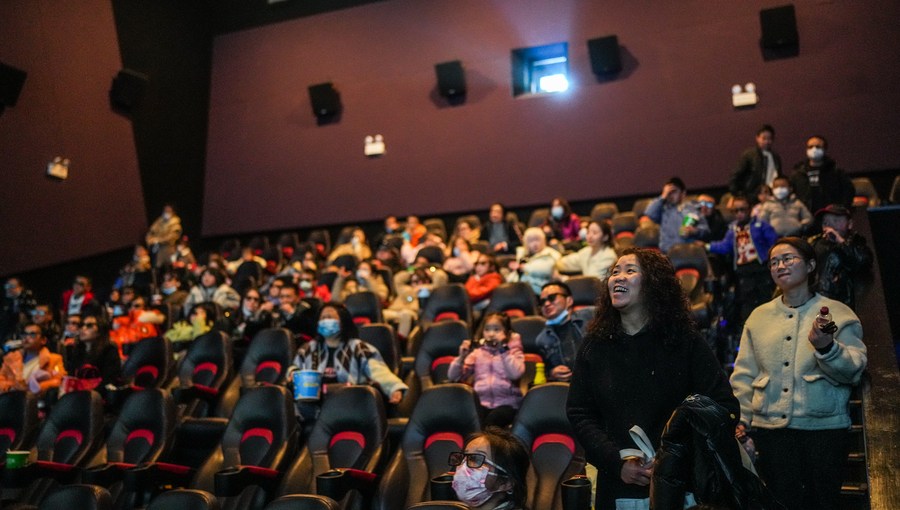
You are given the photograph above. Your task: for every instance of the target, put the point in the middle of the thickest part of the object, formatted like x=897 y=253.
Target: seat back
x=260 y=433
x=865 y=193
x=350 y=433
x=364 y=307
x=538 y=217
x=382 y=337
x=184 y=499
x=691 y=267
x=303 y=502
x=150 y=364
x=447 y=302
x=258 y=244
x=440 y=423
x=433 y=254
x=436 y=226
x=248 y=274
x=439 y=505
x=440 y=345
x=515 y=299
x=72 y=429
x=640 y=205
x=529 y=328
x=268 y=357
x=230 y=249
x=288 y=242
x=647 y=236
x=604 y=211
x=143 y=428
x=82 y=497
x=542 y=426
x=585 y=290
x=18 y=421
x=321 y=239
x=207 y=365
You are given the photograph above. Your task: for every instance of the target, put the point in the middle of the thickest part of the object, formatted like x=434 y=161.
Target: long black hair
x=508 y=452
x=348 y=327
x=666 y=303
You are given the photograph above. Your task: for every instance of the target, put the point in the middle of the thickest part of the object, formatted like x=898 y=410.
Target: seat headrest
x=513 y=296
x=83 y=497
x=543 y=412
x=273 y=344
x=447 y=408
x=689 y=256
x=184 y=499
x=303 y=502
x=440 y=339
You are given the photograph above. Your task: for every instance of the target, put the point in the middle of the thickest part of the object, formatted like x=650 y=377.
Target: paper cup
x=307 y=385
x=16 y=459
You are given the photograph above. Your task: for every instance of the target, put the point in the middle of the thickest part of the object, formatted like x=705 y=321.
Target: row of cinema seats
x=255 y=457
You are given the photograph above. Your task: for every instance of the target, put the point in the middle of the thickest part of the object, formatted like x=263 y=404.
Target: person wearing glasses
x=92 y=357
x=747 y=242
x=137 y=323
x=32 y=368
x=818 y=181
x=76 y=299
x=793 y=380
x=251 y=318
x=491 y=472
x=641 y=356
x=559 y=341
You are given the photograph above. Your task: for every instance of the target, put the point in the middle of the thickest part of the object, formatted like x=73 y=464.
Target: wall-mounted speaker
x=11 y=82
x=779 y=27
x=325 y=100
x=451 y=79
x=606 y=58
x=127 y=89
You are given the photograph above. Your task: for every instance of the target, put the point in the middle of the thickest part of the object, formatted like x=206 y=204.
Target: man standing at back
x=758 y=165
x=817 y=180
x=679 y=220
x=560 y=340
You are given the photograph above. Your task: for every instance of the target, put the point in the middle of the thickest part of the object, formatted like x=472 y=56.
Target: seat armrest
x=105 y=475
x=149 y=476
x=232 y=481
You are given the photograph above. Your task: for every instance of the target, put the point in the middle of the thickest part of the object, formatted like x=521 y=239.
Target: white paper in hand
x=644 y=451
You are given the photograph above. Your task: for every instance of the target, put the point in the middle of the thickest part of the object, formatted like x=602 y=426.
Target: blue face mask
x=329 y=327
x=559 y=318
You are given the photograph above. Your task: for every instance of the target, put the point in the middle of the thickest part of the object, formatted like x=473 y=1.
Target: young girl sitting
x=497 y=362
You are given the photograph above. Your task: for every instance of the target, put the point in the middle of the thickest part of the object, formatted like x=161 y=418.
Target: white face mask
x=781 y=193
x=815 y=153
x=469 y=485
x=363 y=274
x=557 y=212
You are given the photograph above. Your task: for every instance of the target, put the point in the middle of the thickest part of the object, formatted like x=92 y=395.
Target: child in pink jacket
x=497 y=363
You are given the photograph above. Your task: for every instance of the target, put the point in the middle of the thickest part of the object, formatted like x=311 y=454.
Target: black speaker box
x=605 y=56
x=779 y=27
x=11 y=82
x=451 y=79
x=127 y=90
x=326 y=102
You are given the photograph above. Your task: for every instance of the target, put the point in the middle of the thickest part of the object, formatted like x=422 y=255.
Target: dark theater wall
x=70 y=52
x=269 y=166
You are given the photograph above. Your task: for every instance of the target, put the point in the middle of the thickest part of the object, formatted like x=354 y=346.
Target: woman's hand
x=396 y=397
x=464 y=348
x=636 y=473
x=820 y=339
x=561 y=373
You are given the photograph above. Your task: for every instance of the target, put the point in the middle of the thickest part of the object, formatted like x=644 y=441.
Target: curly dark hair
x=667 y=305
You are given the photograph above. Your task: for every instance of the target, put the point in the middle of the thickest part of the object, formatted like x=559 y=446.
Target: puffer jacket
x=497 y=372
x=698 y=453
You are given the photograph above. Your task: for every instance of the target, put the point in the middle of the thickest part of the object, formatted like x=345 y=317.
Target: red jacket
x=482 y=288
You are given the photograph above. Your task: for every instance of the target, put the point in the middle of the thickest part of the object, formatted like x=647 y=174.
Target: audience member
x=560 y=340
x=491 y=471
x=389 y=257
x=251 y=318
x=172 y=291
x=757 y=165
x=91 y=358
x=163 y=234
x=392 y=233
x=496 y=362
x=461 y=260
x=292 y=313
x=484 y=279
x=17 y=305
x=784 y=211
x=337 y=352
x=365 y=279
x=414 y=231
x=352 y=241
x=200 y=320
x=641 y=357
x=747 y=242
x=79 y=298
x=594 y=259
x=33 y=367
x=763 y=195
x=137 y=272
x=793 y=380
x=412 y=286
x=43 y=315
x=138 y=323
x=841 y=254
x=679 y=220
x=536 y=263
x=714 y=219
x=562 y=225
x=182 y=257
x=502 y=234
x=818 y=181
x=212 y=289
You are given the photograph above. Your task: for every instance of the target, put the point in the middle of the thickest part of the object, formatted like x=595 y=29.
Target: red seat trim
x=74 y=434
x=258 y=432
x=531 y=357
x=274 y=365
x=173 y=468
x=144 y=434
x=8 y=432
x=261 y=471
x=54 y=466
x=562 y=439
x=148 y=369
x=446 y=316
x=207 y=366
x=443 y=360
x=362 y=321
x=348 y=435
x=445 y=436
x=514 y=312
x=688 y=271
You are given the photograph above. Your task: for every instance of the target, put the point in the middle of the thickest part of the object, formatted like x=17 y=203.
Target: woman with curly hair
x=641 y=356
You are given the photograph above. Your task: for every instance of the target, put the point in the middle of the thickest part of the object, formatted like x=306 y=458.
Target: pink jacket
x=497 y=373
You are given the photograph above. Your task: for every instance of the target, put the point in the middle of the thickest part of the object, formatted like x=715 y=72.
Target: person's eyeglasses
x=251 y=298
x=31 y=334
x=787 y=260
x=481 y=263
x=38 y=312
x=550 y=298
x=739 y=209
x=707 y=204
x=77 y=324
x=473 y=460
x=89 y=325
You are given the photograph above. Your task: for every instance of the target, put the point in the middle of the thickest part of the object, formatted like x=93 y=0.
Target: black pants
x=804 y=469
